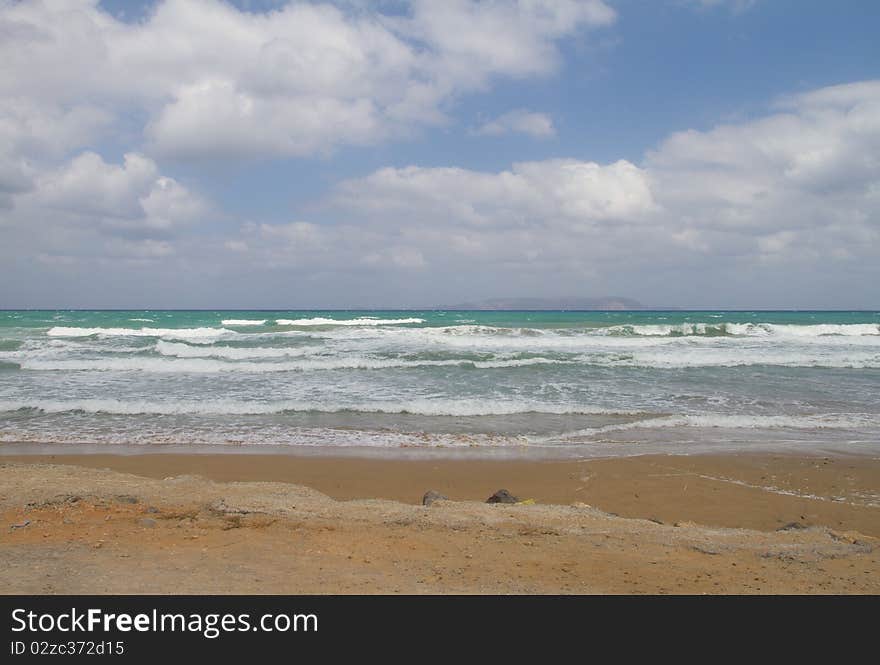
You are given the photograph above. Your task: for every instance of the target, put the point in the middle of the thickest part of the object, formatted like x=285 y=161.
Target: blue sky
x=703 y=153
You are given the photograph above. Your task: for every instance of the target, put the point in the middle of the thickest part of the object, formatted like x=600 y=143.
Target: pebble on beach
x=502 y=496
x=431 y=496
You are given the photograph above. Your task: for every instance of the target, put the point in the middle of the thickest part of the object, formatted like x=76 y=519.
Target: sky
x=394 y=154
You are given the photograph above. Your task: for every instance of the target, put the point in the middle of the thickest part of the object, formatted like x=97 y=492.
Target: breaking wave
x=361 y=321
x=744 y=330
x=421 y=407
x=209 y=362
x=171 y=333
x=748 y=422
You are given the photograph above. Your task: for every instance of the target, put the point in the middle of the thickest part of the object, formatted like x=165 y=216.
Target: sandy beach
x=242 y=523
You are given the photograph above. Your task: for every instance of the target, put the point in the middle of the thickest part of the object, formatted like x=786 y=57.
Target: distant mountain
x=607 y=303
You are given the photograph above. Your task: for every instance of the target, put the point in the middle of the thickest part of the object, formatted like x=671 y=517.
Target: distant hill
x=607 y=303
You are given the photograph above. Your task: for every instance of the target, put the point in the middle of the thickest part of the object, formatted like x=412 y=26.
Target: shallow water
x=583 y=383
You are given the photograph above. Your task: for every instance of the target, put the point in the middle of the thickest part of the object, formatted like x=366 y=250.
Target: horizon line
x=425 y=309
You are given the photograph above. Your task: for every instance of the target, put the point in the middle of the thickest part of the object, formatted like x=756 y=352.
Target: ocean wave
x=740 y=421
x=733 y=357
x=474 y=336
x=178 y=350
x=209 y=363
x=361 y=321
x=416 y=407
x=721 y=329
x=176 y=357
x=745 y=330
x=296 y=437
x=244 y=322
x=169 y=333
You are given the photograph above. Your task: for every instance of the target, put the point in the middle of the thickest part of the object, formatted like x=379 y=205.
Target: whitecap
x=172 y=333
x=361 y=321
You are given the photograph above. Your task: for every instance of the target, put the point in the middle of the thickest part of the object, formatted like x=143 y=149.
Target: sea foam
x=361 y=321
x=172 y=333
x=419 y=407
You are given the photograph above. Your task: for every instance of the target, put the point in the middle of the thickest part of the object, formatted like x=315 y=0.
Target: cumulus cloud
x=471 y=39
x=548 y=192
x=30 y=135
x=88 y=207
x=786 y=196
x=299 y=80
x=538 y=125
x=204 y=79
x=811 y=168
x=789 y=197
x=128 y=196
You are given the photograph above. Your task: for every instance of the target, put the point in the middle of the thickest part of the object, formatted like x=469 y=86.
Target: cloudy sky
x=261 y=153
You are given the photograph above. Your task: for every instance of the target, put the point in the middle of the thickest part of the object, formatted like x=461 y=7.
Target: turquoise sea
x=492 y=382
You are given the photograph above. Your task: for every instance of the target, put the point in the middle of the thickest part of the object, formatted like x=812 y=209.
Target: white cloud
x=214 y=119
x=470 y=39
x=91 y=209
x=789 y=196
x=203 y=79
x=30 y=135
x=811 y=169
x=538 y=125
x=564 y=191
x=298 y=80
x=128 y=196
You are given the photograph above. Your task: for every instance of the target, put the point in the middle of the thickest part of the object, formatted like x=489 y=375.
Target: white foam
x=210 y=362
x=420 y=407
x=738 y=357
x=370 y=348
x=244 y=322
x=661 y=330
x=179 y=350
x=636 y=350
x=825 y=329
x=279 y=435
x=362 y=321
x=170 y=333
x=740 y=421
x=745 y=329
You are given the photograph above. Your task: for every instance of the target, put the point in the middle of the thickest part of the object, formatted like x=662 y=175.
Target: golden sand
x=287 y=524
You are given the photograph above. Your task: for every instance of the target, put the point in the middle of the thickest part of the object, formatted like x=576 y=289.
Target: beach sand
x=261 y=523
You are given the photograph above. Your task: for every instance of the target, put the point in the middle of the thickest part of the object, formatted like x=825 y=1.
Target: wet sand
x=209 y=523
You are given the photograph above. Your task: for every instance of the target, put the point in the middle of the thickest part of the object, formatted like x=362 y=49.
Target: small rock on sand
x=147 y=522
x=502 y=496
x=431 y=496
x=792 y=526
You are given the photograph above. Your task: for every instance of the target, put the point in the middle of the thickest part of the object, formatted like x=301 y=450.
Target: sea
x=492 y=383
